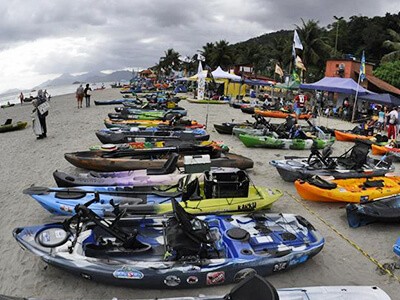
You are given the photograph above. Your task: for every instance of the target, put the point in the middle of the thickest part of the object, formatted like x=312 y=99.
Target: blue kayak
x=124 y=135
x=179 y=251
x=62 y=201
x=396 y=247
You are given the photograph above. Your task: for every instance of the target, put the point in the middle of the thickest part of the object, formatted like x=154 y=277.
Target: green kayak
x=13 y=126
x=207 y=101
x=275 y=143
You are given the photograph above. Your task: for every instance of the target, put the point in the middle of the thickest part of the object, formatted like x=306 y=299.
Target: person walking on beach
x=87 y=92
x=79 y=95
x=21 y=98
x=393 y=116
x=41 y=111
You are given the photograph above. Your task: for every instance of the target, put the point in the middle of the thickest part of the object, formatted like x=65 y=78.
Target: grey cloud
x=120 y=27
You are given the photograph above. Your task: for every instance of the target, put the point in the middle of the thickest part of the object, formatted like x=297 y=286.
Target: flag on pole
x=295 y=76
x=293 y=51
x=278 y=70
x=296 y=41
x=299 y=63
x=362 y=67
x=201 y=82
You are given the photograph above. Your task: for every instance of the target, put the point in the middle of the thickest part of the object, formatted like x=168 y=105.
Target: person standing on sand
x=21 y=98
x=41 y=130
x=392 y=128
x=87 y=92
x=79 y=95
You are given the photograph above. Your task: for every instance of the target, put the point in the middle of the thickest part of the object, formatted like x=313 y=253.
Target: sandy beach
x=26 y=161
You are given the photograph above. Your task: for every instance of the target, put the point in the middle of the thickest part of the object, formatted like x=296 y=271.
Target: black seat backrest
x=191 y=191
x=168 y=168
x=326 y=152
x=359 y=154
x=194 y=228
x=253 y=287
x=8 y=122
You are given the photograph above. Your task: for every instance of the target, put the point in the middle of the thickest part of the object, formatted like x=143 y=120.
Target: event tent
x=336 y=85
x=386 y=99
x=218 y=73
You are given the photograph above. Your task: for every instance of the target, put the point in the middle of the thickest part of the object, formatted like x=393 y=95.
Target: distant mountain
x=11 y=91
x=90 y=77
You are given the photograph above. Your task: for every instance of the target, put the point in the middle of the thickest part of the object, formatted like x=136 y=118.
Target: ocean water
x=52 y=90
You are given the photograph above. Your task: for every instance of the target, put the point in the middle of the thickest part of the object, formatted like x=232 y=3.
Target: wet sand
x=26 y=161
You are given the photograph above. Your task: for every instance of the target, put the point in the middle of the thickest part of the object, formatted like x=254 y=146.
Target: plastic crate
x=226 y=184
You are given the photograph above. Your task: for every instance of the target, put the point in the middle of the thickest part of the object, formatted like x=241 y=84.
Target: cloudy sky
x=42 y=39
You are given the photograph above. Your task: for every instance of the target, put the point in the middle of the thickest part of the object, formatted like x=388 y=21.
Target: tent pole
x=355 y=100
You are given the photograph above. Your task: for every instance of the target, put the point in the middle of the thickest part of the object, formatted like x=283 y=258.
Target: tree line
x=379 y=37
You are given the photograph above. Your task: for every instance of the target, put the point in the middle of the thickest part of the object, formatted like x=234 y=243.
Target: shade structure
x=258 y=82
x=219 y=73
x=292 y=85
x=336 y=85
x=386 y=99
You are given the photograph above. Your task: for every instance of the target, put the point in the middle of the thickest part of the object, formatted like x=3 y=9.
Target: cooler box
x=196 y=163
x=228 y=184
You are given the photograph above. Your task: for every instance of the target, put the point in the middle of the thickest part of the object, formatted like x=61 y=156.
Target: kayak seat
x=191 y=191
x=168 y=168
x=373 y=184
x=253 y=287
x=188 y=236
x=321 y=183
x=8 y=122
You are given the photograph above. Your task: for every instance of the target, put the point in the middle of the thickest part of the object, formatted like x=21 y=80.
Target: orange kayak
x=350 y=137
x=382 y=150
x=352 y=190
x=279 y=114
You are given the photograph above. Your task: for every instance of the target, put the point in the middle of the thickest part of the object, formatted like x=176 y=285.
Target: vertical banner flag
x=299 y=63
x=296 y=41
x=278 y=70
x=362 y=67
x=201 y=82
x=296 y=77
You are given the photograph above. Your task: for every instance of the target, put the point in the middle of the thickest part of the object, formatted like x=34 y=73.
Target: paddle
x=37 y=190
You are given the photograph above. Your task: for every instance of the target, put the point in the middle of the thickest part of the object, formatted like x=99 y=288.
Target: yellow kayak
x=259 y=198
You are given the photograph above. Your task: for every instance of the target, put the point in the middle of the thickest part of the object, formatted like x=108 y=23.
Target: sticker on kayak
x=192 y=280
x=215 y=278
x=66 y=208
x=128 y=273
x=172 y=280
x=242 y=274
x=298 y=260
x=279 y=266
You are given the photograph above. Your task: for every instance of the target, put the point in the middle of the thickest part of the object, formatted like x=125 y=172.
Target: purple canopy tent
x=386 y=99
x=336 y=85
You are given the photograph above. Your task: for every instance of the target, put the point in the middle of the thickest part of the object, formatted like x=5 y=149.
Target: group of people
x=83 y=93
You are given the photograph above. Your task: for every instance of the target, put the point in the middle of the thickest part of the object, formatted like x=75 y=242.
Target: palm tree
x=207 y=52
x=170 y=61
x=222 y=55
x=393 y=45
x=280 y=50
x=315 y=47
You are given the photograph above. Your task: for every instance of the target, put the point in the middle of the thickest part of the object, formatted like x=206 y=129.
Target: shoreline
x=27 y=161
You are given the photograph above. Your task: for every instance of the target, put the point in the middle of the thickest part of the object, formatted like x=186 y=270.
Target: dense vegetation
x=379 y=37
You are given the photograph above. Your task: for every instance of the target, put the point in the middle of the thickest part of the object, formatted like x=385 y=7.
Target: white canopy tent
x=218 y=73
